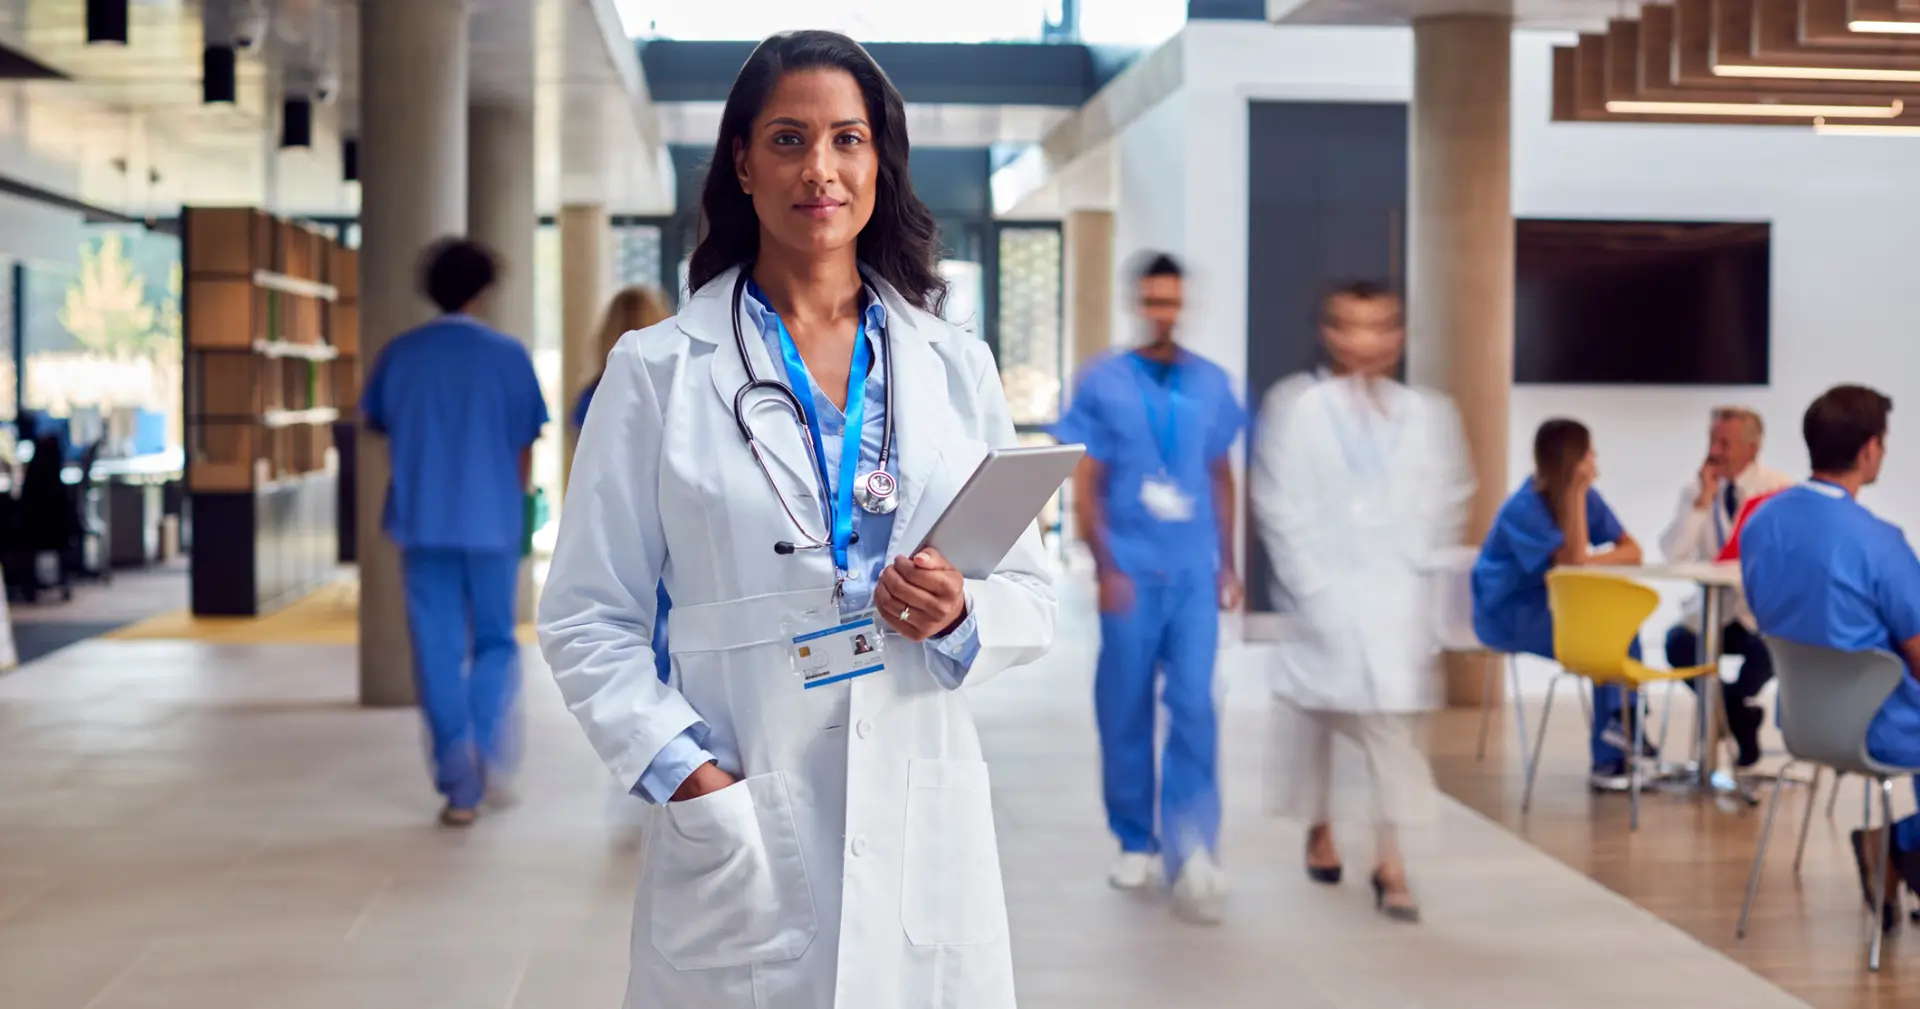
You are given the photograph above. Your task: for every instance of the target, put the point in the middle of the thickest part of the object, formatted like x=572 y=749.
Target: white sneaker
x=1132 y=870
x=1200 y=894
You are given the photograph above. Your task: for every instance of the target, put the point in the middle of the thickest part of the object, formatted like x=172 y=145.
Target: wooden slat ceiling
x=1748 y=62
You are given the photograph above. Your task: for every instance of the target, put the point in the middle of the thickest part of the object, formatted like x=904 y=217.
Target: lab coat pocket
x=951 y=891
x=727 y=882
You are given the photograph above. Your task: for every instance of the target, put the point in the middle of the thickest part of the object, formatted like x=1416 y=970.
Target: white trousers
x=1301 y=767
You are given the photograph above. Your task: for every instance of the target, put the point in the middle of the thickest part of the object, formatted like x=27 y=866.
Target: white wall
x=1152 y=197
x=1846 y=236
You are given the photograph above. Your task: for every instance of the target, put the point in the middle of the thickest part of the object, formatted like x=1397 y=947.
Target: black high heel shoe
x=1404 y=913
x=1322 y=874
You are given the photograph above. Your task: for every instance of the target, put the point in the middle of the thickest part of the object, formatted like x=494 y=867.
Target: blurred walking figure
x=460 y=407
x=1358 y=482
x=1155 y=501
x=636 y=307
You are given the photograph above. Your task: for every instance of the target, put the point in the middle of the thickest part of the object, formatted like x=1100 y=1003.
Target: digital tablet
x=997 y=503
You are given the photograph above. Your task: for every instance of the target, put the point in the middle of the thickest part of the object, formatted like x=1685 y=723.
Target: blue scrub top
x=459 y=403
x=1820 y=569
x=1510 y=611
x=1138 y=419
x=580 y=406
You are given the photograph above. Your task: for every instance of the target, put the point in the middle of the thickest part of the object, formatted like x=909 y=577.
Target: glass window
x=1029 y=325
x=866 y=20
x=1144 y=23
x=102 y=342
x=638 y=259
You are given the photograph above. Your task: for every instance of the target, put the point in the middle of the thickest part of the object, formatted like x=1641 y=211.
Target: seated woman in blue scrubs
x=1556 y=518
x=640 y=306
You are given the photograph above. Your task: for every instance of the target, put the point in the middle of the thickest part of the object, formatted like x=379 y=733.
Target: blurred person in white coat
x=821 y=834
x=1358 y=484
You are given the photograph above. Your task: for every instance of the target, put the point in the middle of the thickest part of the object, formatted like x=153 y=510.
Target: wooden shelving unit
x=272 y=342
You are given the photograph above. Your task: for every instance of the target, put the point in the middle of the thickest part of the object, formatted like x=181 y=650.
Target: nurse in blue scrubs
x=1155 y=503
x=460 y=407
x=1820 y=569
x=1556 y=518
x=637 y=307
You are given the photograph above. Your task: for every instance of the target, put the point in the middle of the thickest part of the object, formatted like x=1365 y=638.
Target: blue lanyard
x=839 y=495
x=1164 y=434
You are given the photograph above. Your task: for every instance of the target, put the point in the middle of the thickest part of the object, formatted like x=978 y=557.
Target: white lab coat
x=1356 y=554
x=855 y=865
x=1700 y=534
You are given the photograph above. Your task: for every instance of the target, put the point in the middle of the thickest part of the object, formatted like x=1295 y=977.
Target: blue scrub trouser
x=1171 y=637
x=466 y=663
x=1610 y=705
x=1901 y=749
x=1534 y=636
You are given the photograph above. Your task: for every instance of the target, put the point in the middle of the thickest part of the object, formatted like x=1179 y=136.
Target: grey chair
x=1828 y=698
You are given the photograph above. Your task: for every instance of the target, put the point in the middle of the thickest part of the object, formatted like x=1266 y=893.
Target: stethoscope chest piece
x=877 y=494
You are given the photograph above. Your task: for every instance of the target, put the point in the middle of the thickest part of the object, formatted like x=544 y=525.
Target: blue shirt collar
x=761 y=311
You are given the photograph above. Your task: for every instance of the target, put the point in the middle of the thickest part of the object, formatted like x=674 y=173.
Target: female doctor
x=1358 y=483
x=823 y=835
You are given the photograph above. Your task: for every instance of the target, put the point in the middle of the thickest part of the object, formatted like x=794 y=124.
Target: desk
x=1715 y=581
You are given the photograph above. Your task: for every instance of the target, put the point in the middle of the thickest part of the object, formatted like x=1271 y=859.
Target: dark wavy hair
x=900 y=241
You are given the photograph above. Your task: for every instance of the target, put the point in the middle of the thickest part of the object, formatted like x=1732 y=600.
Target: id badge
x=1164 y=500
x=828 y=648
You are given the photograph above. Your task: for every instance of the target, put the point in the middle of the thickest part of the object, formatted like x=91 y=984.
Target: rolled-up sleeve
x=671 y=767
x=953 y=653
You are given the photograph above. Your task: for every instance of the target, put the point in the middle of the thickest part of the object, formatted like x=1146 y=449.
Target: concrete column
x=500 y=207
x=500 y=187
x=586 y=281
x=413 y=168
x=1089 y=271
x=1460 y=257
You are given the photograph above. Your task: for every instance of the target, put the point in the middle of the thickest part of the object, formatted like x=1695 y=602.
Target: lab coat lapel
x=920 y=386
x=708 y=317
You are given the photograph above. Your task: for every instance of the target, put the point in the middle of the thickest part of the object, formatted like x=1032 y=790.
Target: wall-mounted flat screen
x=1641 y=302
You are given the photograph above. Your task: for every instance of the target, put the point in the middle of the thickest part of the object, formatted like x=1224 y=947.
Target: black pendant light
x=217 y=82
x=350 y=159
x=107 y=22
x=296 y=122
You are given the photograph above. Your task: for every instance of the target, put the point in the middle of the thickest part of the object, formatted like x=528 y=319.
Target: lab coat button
x=864 y=728
x=859 y=846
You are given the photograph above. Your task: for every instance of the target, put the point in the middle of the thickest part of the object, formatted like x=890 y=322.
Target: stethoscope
x=876 y=493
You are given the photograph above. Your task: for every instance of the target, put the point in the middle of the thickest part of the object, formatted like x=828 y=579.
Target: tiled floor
x=219 y=827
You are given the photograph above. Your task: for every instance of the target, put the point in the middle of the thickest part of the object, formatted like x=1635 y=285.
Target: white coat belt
x=739 y=623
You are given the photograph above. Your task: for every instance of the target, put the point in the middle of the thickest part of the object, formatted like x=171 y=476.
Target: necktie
x=1730 y=500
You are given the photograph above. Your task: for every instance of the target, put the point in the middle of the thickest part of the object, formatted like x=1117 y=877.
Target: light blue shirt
x=950 y=656
x=1143 y=420
x=1820 y=569
x=458 y=402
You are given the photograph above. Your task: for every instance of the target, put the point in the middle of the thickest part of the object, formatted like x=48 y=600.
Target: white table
x=1715 y=581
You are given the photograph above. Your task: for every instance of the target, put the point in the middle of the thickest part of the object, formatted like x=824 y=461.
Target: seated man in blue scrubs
x=1821 y=569
x=1556 y=518
x=460 y=407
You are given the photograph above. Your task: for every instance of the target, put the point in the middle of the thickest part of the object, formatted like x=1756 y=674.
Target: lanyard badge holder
x=1160 y=495
x=824 y=645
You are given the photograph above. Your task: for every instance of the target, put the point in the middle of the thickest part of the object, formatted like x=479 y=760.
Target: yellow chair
x=1596 y=619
